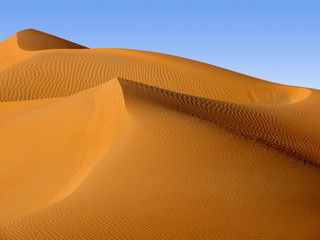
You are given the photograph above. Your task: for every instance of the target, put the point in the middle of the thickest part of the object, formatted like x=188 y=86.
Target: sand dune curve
x=66 y=137
x=128 y=144
x=23 y=44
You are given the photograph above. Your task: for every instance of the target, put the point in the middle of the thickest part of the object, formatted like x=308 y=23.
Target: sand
x=128 y=144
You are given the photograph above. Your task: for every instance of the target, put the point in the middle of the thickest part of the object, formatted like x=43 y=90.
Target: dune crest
x=128 y=144
x=33 y=40
x=23 y=44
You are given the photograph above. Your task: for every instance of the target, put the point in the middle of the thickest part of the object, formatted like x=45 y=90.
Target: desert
x=125 y=144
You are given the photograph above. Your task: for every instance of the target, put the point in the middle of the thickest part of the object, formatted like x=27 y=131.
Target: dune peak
x=34 y=40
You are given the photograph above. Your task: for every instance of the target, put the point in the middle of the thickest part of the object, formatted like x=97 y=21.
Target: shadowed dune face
x=33 y=40
x=259 y=123
x=127 y=144
x=25 y=43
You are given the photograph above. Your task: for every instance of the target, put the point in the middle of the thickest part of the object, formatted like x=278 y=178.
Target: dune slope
x=127 y=144
x=65 y=137
x=25 y=43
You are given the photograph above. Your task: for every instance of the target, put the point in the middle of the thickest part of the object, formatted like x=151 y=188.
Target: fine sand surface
x=127 y=144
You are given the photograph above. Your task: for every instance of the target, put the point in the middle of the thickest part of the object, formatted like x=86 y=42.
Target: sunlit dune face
x=127 y=144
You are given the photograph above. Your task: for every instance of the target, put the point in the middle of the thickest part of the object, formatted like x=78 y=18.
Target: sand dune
x=127 y=144
x=23 y=44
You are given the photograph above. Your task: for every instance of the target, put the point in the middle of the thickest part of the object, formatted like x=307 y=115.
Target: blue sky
x=276 y=40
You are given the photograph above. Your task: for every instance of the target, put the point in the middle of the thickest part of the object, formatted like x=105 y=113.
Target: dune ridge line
x=239 y=118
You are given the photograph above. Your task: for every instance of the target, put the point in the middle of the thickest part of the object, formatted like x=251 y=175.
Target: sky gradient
x=275 y=40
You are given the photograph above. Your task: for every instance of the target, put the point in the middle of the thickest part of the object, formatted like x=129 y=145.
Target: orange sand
x=126 y=144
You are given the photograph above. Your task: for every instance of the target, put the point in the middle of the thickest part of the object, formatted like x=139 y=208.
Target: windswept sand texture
x=127 y=144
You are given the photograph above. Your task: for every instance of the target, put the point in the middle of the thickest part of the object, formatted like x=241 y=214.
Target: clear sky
x=276 y=40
